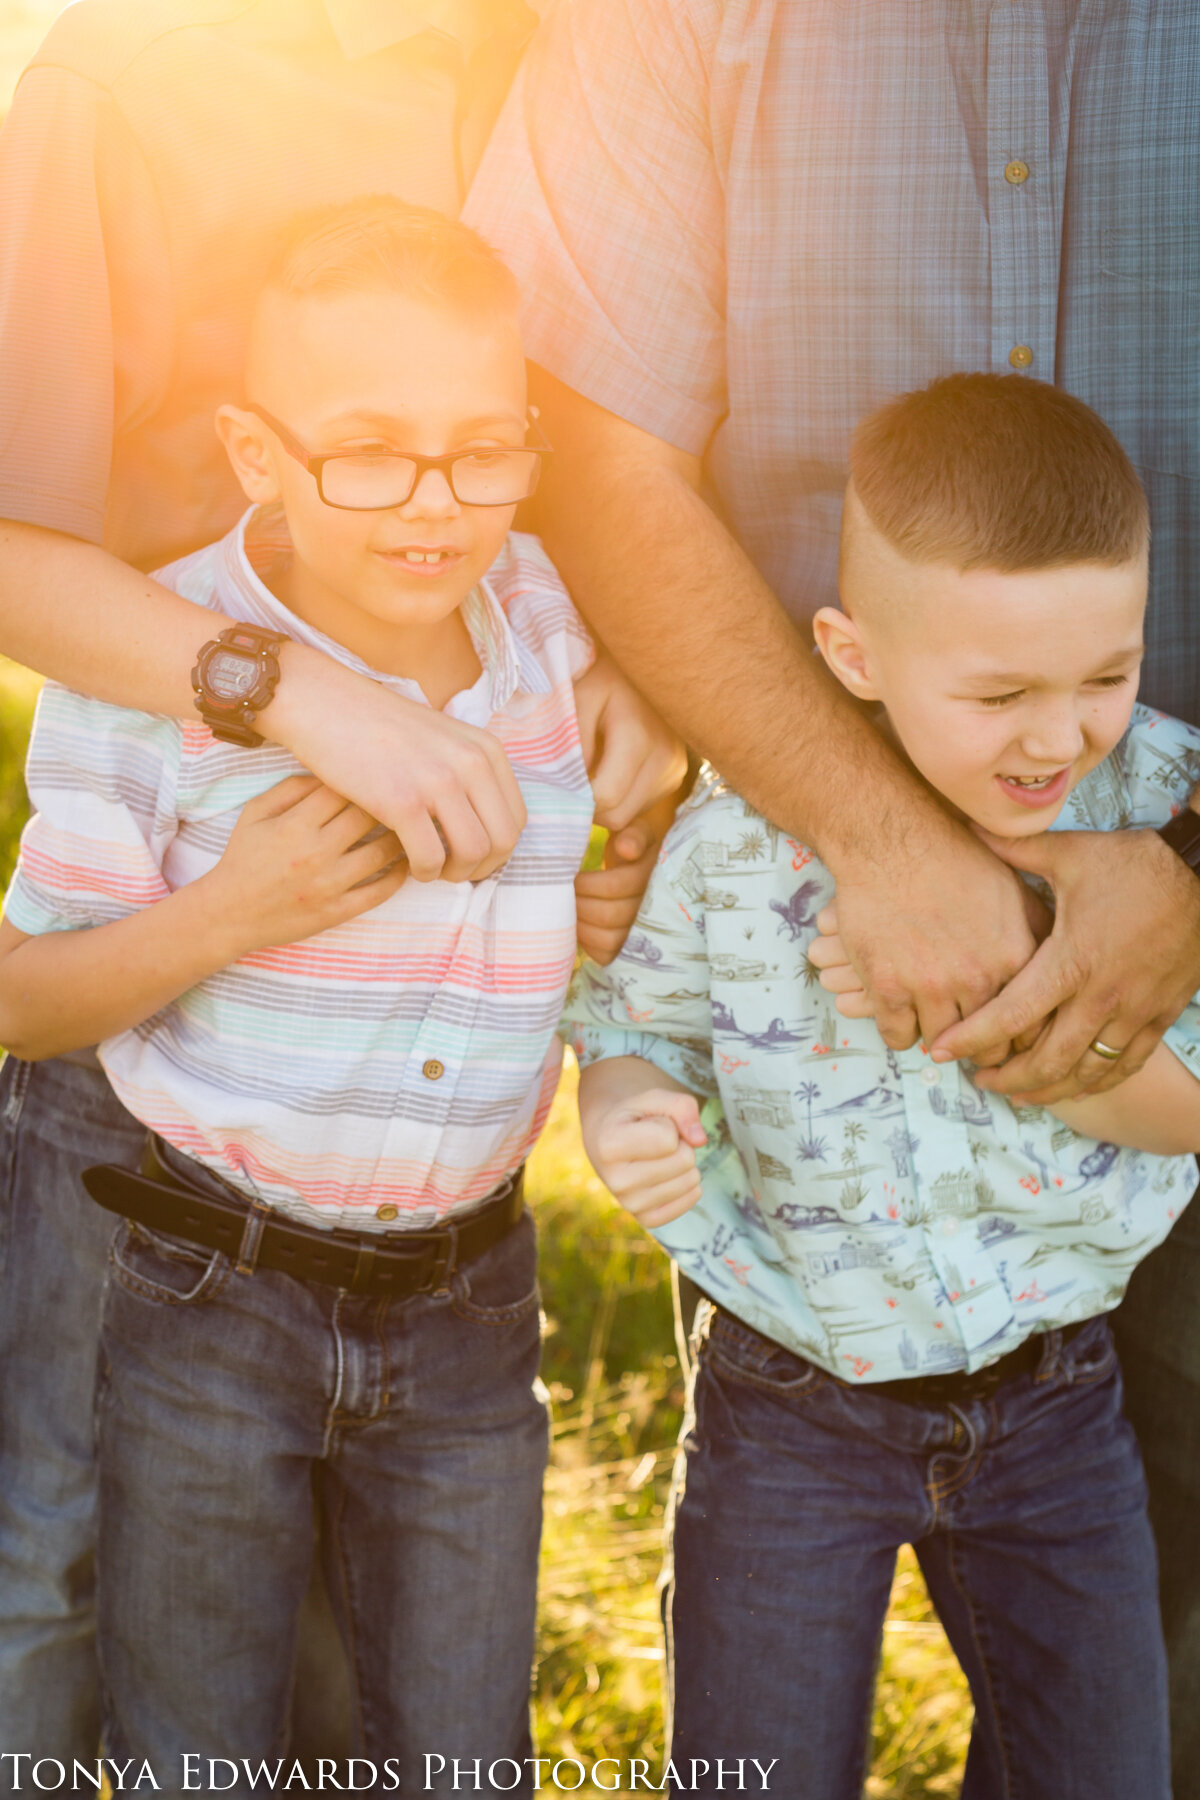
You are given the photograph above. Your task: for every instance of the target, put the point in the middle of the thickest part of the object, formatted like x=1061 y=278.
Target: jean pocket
x=166 y=1269
x=500 y=1286
x=743 y=1354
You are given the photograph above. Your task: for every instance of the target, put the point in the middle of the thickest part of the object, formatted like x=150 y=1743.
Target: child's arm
x=291 y=868
x=641 y=1130
x=1157 y=1109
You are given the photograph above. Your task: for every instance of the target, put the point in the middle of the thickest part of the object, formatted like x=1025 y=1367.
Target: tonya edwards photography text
x=357 y=1774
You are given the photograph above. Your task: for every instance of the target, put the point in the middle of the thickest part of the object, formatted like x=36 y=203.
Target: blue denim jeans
x=1028 y=1515
x=55 y=1118
x=221 y=1394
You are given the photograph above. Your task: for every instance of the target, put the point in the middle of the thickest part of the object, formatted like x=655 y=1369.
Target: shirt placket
x=977 y=1305
x=426 y=1104
x=1024 y=193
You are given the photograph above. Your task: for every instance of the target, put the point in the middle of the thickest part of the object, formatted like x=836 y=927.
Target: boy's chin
x=1023 y=825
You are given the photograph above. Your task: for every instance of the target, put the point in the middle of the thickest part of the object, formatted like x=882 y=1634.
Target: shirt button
x=1020 y=356
x=387 y=1213
x=949 y=1227
x=1016 y=173
x=932 y=1077
x=433 y=1070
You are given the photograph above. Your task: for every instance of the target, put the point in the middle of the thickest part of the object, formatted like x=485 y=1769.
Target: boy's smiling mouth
x=1036 y=790
x=424 y=559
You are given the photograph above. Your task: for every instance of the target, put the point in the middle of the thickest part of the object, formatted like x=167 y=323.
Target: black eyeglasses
x=375 y=480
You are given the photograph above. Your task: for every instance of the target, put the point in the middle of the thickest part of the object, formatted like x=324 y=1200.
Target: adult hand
x=446 y=789
x=932 y=933
x=1120 y=965
x=633 y=759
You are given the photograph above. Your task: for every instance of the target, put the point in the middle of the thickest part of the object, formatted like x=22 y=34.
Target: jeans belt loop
x=256 y=1222
x=1048 y=1361
x=444 y=1261
x=364 y=1265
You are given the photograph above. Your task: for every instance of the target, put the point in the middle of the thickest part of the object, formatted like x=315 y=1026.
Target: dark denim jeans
x=55 y=1119
x=1028 y=1515
x=221 y=1393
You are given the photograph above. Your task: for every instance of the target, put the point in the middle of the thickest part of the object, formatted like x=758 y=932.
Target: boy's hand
x=633 y=759
x=294 y=866
x=838 y=974
x=644 y=1151
x=607 y=899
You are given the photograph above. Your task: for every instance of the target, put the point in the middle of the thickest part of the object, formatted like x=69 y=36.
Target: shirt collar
x=509 y=665
x=364 y=27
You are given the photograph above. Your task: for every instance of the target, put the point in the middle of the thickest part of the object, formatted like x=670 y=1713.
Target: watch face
x=231 y=675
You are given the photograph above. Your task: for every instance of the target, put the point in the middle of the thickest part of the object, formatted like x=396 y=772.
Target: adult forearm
x=73 y=612
x=68 y=989
x=688 y=616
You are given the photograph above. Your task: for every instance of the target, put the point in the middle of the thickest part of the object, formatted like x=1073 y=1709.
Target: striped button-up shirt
x=743 y=224
x=875 y=1212
x=387 y=1072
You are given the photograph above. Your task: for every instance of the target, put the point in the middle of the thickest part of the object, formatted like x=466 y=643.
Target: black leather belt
x=958 y=1385
x=252 y=1235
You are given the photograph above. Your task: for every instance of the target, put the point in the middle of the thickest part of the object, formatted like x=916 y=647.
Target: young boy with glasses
x=325 y=1264
x=910 y=1275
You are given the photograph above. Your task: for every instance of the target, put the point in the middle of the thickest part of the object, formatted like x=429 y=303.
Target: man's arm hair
x=933 y=922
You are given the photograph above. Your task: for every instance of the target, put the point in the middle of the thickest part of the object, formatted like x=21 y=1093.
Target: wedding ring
x=1105 y=1050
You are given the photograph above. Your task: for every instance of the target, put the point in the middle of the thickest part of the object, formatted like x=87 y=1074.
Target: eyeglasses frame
x=315 y=465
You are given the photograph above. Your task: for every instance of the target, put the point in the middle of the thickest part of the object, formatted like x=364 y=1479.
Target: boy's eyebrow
x=1015 y=679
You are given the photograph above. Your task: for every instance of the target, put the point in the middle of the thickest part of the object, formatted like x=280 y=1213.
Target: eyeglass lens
x=477 y=478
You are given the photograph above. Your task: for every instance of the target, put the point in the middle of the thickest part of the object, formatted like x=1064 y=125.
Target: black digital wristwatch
x=1183 y=835
x=235 y=676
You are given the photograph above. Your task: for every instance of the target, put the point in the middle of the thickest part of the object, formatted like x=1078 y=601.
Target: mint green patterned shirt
x=871 y=1210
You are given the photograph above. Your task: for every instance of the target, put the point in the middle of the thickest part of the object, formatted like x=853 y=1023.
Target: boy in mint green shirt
x=910 y=1276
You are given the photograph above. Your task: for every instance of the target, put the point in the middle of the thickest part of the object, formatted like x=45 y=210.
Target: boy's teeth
x=423 y=556
x=1030 y=780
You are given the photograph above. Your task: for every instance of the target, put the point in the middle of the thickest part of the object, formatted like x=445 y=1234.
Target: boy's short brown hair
x=999 y=472
x=378 y=241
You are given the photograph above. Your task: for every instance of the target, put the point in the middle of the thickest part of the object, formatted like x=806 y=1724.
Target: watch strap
x=233 y=721
x=1182 y=833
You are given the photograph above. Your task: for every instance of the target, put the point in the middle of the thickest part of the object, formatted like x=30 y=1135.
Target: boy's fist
x=644 y=1151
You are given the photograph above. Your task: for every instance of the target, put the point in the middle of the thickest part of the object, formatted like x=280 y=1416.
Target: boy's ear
x=840 y=642
x=245 y=439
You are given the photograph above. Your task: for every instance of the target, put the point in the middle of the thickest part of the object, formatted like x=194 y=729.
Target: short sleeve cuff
x=25 y=908
x=620 y=384
x=597 y=1043
x=53 y=512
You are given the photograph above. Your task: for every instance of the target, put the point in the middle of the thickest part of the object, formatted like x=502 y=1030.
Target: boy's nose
x=1056 y=737
x=432 y=498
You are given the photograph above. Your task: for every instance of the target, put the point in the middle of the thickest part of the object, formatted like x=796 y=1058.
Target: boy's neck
x=441 y=657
